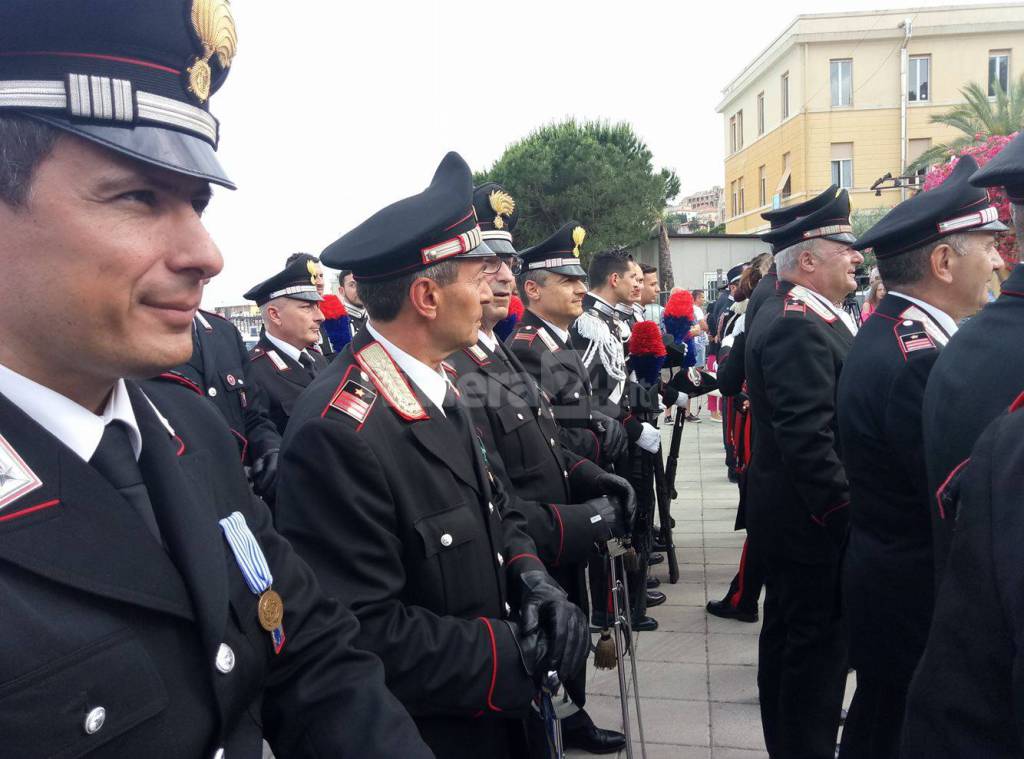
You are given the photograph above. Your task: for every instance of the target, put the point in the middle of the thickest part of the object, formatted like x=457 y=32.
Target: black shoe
x=645 y=624
x=725 y=610
x=658 y=547
x=655 y=558
x=655 y=598
x=594 y=740
x=652 y=583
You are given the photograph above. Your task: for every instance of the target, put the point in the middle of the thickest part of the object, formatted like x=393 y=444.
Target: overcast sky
x=334 y=109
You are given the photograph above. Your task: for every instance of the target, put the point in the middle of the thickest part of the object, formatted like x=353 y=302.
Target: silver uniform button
x=94 y=720
x=575 y=395
x=212 y=392
x=508 y=609
x=519 y=417
x=538 y=412
x=225 y=661
x=565 y=474
x=490 y=507
x=218 y=754
x=551 y=442
x=446 y=540
x=501 y=560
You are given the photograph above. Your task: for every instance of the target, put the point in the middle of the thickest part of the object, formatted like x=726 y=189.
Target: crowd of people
x=392 y=527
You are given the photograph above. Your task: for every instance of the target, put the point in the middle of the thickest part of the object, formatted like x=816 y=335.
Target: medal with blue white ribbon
x=256 y=571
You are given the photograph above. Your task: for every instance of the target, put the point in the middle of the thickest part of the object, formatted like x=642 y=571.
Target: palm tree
x=980 y=116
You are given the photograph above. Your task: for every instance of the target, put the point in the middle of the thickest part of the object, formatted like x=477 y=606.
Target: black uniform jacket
x=966 y=696
x=218 y=369
x=795 y=352
x=610 y=396
x=396 y=513
x=558 y=370
x=765 y=288
x=97 y=614
x=518 y=429
x=280 y=378
x=888 y=573
x=975 y=379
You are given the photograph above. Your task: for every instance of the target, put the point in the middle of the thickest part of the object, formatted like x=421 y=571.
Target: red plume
x=680 y=304
x=332 y=307
x=645 y=340
x=515 y=307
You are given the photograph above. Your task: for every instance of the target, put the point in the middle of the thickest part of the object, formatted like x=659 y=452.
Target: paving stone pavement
x=697 y=673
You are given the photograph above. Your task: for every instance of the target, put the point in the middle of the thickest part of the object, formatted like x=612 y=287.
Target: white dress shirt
x=74 y=425
x=944 y=320
x=286 y=348
x=432 y=382
x=489 y=340
x=839 y=311
x=562 y=333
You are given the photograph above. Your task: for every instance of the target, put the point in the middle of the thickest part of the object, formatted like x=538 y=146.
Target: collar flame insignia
x=311 y=268
x=215 y=27
x=579 y=234
x=503 y=205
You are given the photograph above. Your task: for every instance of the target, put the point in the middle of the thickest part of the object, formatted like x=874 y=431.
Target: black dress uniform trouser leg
x=872 y=729
x=801 y=660
x=746 y=586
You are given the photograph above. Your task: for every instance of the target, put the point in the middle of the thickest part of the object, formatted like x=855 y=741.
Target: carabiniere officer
x=149 y=606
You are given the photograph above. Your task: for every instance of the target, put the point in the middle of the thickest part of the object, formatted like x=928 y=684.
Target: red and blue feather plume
x=336 y=323
x=646 y=352
x=505 y=327
x=679 y=318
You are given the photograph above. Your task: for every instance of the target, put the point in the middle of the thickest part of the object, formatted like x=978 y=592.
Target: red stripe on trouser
x=734 y=599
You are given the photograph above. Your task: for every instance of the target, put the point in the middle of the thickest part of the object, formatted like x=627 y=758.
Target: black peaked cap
x=297 y=280
x=780 y=217
x=953 y=207
x=415 y=232
x=736 y=272
x=830 y=220
x=497 y=214
x=1006 y=170
x=135 y=77
x=559 y=253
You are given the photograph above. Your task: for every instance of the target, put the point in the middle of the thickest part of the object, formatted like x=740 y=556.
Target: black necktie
x=307 y=361
x=115 y=460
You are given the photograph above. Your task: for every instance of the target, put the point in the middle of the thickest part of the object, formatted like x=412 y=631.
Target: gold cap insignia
x=311 y=268
x=215 y=27
x=503 y=205
x=578 y=236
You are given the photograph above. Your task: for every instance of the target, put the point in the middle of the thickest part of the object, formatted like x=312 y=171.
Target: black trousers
x=872 y=729
x=801 y=659
x=745 y=588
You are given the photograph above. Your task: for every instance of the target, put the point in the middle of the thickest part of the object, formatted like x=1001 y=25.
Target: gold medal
x=270 y=609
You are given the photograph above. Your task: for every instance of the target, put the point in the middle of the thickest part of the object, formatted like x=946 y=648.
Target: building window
x=842 y=164
x=732 y=134
x=760 y=113
x=919 y=78
x=784 y=95
x=739 y=130
x=742 y=203
x=762 y=186
x=735 y=199
x=785 y=187
x=841 y=77
x=998 y=71
x=915 y=148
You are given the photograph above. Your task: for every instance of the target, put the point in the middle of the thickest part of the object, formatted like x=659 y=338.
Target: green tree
x=978 y=118
x=596 y=173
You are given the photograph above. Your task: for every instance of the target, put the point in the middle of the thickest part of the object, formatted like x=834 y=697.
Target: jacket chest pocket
x=81 y=701
x=523 y=448
x=458 y=562
x=234 y=383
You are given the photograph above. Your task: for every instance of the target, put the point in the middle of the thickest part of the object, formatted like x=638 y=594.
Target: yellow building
x=847 y=97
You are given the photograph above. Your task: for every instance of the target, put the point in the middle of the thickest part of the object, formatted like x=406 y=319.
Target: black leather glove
x=552 y=632
x=608 y=520
x=264 y=475
x=619 y=490
x=614 y=440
